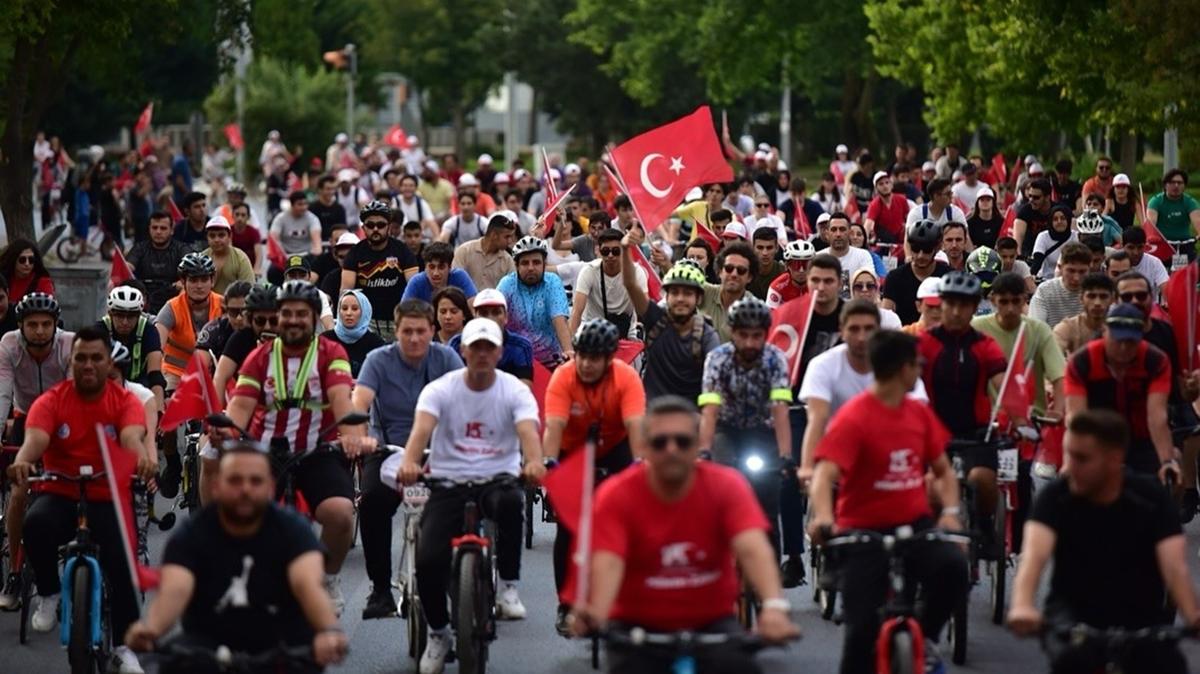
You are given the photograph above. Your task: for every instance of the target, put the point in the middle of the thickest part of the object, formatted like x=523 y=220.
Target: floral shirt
x=744 y=394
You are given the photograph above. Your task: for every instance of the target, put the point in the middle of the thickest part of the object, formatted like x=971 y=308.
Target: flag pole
x=122 y=524
x=1004 y=383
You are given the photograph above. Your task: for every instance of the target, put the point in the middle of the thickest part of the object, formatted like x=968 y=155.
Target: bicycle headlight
x=754 y=463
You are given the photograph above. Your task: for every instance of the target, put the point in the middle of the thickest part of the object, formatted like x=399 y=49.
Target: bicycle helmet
x=126 y=298
x=984 y=263
x=749 y=312
x=684 y=273
x=261 y=298
x=120 y=354
x=300 y=291
x=961 y=284
x=596 y=336
x=924 y=233
x=37 y=303
x=800 y=249
x=376 y=207
x=1090 y=222
x=530 y=244
x=196 y=264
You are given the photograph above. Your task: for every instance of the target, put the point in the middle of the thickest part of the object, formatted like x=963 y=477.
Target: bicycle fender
x=883 y=648
x=95 y=597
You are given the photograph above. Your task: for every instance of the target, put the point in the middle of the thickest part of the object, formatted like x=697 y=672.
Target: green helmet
x=684 y=275
x=984 y=263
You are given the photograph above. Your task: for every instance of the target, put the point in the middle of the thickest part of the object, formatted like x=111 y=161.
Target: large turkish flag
x=659 y=166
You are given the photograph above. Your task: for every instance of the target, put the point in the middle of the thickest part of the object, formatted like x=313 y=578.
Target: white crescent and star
x=655 y=191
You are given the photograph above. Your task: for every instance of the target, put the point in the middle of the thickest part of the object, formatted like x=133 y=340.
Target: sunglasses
x=684 y=442
x=374 y=224
x=735 y=269
x=25 y=259
x=260 y=321
x=235 y=312
x=1138 y=296
x=610 y=252
x=865 y=287
x=797 y=264
x=764 y=205
x=922 y=249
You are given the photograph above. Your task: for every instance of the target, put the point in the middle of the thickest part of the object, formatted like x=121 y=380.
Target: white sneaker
x=436 y=650
x=333 y=585
x=508 y=604
x=10 y=596
x=45 y=614
x=127 y=661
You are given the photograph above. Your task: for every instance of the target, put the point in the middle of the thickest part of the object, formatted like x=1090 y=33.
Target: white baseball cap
x=519 y=174
x=555 y=175
x=467 y=180
x=692 y=195
x=879 y=175
x=341 y=138
x=346 y=239
x=765 y=147
x=431 y=165
x=1120 y=179
x=272 y=134
x=930 y=291
x=1030 y=159
x=482 y=329
x=490 y=297
x=928 y=166
x=985 y=191
x=1036 y=168
x=841 y=149
x=781 y=165
x=823 y=218
x=484 y=158
x=501 y=178
x=763 y=155
x=217 y=222
x=347 y=175
x=413 y=140
x=735 y=230
x=572 y=169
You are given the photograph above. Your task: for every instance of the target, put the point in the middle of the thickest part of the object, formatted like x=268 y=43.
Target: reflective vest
x=181 y=340
x=137 y=365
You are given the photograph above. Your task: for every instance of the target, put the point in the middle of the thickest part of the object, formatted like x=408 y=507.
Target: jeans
x=375 y=512
x=442 y=520
x=716 y=659
x=617 y=459
x=731 y=446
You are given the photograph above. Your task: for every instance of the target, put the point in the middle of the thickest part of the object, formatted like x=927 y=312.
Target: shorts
x=324 y=475
x=971 y=457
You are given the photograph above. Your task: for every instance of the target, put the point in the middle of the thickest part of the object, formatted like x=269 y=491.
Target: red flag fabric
x=702 y=232
x=1182 y=306
x=1006 y=229
x=551 y=186
x=143 y=121
x=789 y=328
x=653 y=282
x=553 y=203
x=999 y=170
x=119 y=272
x=851 y=209
x=1156 y=243
x=563 y=486
x=233 y=134
x=662 y=165
x=541 y=380
x=396 y=137
x=628 y=349
x=801 y=224
x=173 y=208
x=119 y=468
x=275 y=254
x=195 y=398
x=1015 y=399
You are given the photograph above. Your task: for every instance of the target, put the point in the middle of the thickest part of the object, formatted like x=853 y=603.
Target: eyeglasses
x=235 y=312
x=762 y=205
x=865 y=287
x=735 y=269
x=260 y=321
x=375 y=224
x=1136 y=296
x=684 y=442
x=610 y=252
x=25 y=259
x=1103 y=167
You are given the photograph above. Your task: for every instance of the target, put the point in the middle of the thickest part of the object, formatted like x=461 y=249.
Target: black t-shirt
x=823 y=334
x=381 y=273
x=331 y=284
x=194 y=240
x=330 y=215
x=1036 y=221
x=1105 y=570
x=984 y=232
x=900 y=286
x=863 y=188
x=1066 y=193
x=357 y=351
x=1123 y=214
x=9 y=322
x=1161 y=335
x=242 y=598
x=322 y=264
x=158 y=268
x=240 y=344
x=215 y=335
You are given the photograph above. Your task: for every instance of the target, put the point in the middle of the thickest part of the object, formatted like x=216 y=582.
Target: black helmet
x=961 y=284
x=925 y=233
x=261 y=298
x=749 y=312
x=301 y=291
x=37 y=303
x=376 y=207
x=196 y=264
x=596 y=336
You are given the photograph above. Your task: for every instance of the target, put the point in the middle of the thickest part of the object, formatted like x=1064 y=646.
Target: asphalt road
x=379 y=646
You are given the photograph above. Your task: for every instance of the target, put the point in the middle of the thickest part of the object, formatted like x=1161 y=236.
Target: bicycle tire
x=1000 y=566
x=79 y=647
x=67 y=252
x=27 y=588
x=356 y=476
x=192 y=479
x=901 y=656
x=529 y=499
x=958 y=633
x=470 y=611
x=418 y=629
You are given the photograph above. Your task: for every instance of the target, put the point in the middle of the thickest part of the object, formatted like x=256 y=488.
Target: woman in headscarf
x=351 y=329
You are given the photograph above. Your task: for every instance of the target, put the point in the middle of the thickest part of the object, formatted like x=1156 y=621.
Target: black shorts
x=324 y=475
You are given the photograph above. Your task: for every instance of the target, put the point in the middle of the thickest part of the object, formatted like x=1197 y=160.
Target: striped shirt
x=1053 y=302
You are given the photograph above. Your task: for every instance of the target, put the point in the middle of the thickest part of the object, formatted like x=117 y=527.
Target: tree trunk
x=862 y=115
x=893 y=118
x=16 y=146
x=1129 y=153
x=851 y=87
x=460 y=133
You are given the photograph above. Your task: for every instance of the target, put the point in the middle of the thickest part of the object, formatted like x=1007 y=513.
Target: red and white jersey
x=782 y=289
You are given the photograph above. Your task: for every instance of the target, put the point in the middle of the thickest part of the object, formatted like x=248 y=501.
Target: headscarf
x=352 y=335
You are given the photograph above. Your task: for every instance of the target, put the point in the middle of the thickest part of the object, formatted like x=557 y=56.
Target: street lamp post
x=351 y=74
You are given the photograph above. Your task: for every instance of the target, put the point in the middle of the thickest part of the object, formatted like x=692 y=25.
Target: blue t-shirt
x=397 y=385
x=419 y=287
x=532 y=309
x=517 y=358
x=180 y=167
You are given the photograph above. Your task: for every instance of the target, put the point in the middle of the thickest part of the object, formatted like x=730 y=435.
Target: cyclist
x=379 y=265
x=121 y=358
x=929 y=305
x=303 y=383
x=736 y=265
x=245 y=574
x=592 y=393
x=127 y=323
x=477 y=423
x=985 y=264
x=960 y=362
x=33 y=358
x=517 y=356
x=794 y=282
x=900 y=292
x=741 y=378
x=1108 y=528
x=181 y=319
x=388 y=385
x=216 y=333
x=667 y=533
x=155 y=262
x=880 y=469
x=61 y=433
x=537 y=302
x=1099 y=292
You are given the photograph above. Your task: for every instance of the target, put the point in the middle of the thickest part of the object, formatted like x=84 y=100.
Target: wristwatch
x=777 y=604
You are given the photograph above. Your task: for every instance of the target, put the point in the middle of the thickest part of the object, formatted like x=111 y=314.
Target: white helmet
x=800 y=249
x=126 y=298
x=1090 y=222
x=530 y=244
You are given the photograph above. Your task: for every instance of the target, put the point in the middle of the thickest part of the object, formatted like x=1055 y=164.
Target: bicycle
x=144 y=516
x=1182 y=252
x=900 y=633
x=22 y=569
x=684 y=645
x=413 y=504
x=189 y=483
x=1114 y=644
x=183 y=657
x=86 y=630
x=72 y=248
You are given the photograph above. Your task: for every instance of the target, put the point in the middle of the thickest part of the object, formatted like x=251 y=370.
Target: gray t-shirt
x=584 y=246
x=1053 y=302
x=397 y=385
x=295 y=234
x=166 y=318
x=671 y=365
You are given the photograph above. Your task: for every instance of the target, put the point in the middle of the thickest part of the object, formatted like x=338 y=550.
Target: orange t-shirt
x=616 y=397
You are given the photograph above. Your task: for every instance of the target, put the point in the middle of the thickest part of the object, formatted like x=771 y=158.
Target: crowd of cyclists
x=484 y=336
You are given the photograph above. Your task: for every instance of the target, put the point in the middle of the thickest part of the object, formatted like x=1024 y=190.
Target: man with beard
x=298 y=407
x=215 y=335
x=849 y=257
x=380 y=266
x=155 y=262
x=537 y=303
x=736 y=265
x=60 y=432
x=599 y=290
x=677 y=337
x=126 y=323
x=887 y=213
x=900 y=292
x=191 y=231
x=244 y=573
x=180 y=320
x=487 y=260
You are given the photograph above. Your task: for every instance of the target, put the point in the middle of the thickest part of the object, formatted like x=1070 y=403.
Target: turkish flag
x=195 y=398
x=1156 y=243
x=1015 y=397
x=143 y=121
x=702 y=232
x=1182 y=307
x=660 y=166
x=628 y=349
x=396 y=137
x=233 y=134
x=999 y=170
x=789 y=330
x=553 y=202
x=541 y=381
x=653 y=282
x=1006 y=229
x=571 y=487
x=176 y=214
x=119 y=272
x=275 y=254
x=119 y=468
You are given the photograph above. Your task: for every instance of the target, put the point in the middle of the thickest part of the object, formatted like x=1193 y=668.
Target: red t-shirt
x=70 y=421
x=890 y=217
x=246 y=240
x=883 y=462
x=679 y=571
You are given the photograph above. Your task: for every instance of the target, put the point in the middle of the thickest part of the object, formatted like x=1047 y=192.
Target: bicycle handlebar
x=685 y=639
x=226 y=660
x=1078 y=632
x=891 y=542
x=52 y=476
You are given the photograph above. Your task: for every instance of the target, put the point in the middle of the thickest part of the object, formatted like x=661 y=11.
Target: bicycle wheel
x=68 y=250
x=958 y=633
x=471 y=614
x=530 y=497
x=418 y=629
x=27 y=588
x=1000 y=567
x=357 y=475
x=902 y=652
x=191 y=472
x=79 y=645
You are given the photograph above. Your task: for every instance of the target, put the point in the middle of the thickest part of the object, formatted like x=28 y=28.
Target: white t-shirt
x=772 y=221
x=140 y=392
x=462 y=230
x=417 y=211
x=888 y=319
x=1153 y=269
x=829 y=377
x=588 y=283
x=295 y=234
x=352 y=202
x=1042 y=244
x=476 y=434
x=853 y=260
x=1020 y=268
x=967 y=194
x=923 y=212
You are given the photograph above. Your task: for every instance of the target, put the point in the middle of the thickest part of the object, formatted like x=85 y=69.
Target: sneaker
x=933 y=659
x=508 y=604
x=1187 y=509
x=126 y=661
x=562 y=623
x=333 y=585
x=793 y=571
x=45 y=614
x=168 y=481
x=436 y=650
x=380 y=604
x=10 y=597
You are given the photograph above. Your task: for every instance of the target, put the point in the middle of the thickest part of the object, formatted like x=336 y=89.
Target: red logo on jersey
x=475 y=429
